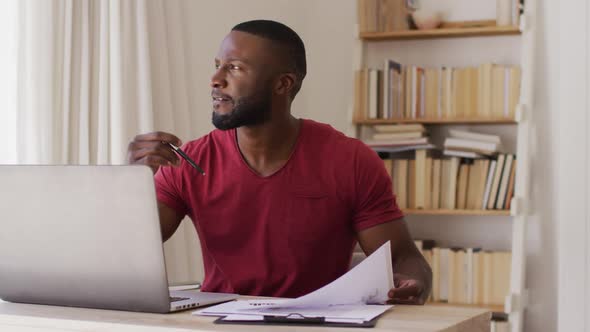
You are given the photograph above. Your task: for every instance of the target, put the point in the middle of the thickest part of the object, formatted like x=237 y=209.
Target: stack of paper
x=357 y=296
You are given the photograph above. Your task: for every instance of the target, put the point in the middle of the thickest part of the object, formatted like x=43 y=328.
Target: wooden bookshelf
x=373 y=47
x=450 y=32
x=493 y=308
x=456 y=212
x=483 y=121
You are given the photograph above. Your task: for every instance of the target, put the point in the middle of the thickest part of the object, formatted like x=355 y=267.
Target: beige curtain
x=94 y=73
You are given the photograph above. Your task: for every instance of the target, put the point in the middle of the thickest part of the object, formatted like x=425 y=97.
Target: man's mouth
x=221 y=99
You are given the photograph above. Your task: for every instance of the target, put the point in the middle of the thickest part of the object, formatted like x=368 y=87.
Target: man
x=284 y=200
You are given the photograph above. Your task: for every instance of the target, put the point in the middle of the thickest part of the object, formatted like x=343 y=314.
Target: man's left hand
x=407 y=290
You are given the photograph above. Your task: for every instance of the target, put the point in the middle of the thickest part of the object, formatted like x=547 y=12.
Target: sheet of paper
x=255 y=318
x=368 y=282
x=346 y=298
x=352 y=312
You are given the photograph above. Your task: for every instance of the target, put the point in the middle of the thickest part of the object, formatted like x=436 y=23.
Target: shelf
x=450 y=32
x=494 y=307
x=483 y=121
x=443 y=212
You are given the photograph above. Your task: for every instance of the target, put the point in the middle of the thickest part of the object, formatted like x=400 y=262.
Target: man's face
x=242 y=82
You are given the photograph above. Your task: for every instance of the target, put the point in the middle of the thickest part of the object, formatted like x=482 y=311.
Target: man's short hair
x=287 y=39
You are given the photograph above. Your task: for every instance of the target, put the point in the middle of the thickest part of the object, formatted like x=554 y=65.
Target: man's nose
x=218 y=79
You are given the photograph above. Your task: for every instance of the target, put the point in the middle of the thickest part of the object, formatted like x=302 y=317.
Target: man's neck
x=266 y=148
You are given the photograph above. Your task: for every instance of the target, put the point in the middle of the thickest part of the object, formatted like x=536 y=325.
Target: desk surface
x=27 y=317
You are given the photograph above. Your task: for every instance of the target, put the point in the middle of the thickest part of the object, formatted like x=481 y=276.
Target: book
x=373 y=94
x=402 y=148
x=500 y=202
x=488 y=275
x=488 y=186
x=500 y=277
x=386 y=143
x=420 y=182
x=435 y=274
x=511 y=184
x=457 y=275
x=452 y=188
x=468 y=277
x=481 y=186
x=462 y=183
x=401 y=128
x=436 y=176
x=462 y=154
x=481 y=147
x=428 y=184
x=496 y=182
x=468 y=135
x=400 y=182
x=472 y=186
x=443 y=280
x=412 y=184
x=397 y=136
x=478 y=277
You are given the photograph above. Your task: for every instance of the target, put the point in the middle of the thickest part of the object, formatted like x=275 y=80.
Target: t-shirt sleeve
x=374 y=199
x=168 y=181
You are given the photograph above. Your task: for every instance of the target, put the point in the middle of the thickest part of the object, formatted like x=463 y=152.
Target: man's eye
x=234 y=67
x=216 y=66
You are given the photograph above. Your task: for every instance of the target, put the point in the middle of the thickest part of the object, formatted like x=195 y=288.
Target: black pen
x=183 y=155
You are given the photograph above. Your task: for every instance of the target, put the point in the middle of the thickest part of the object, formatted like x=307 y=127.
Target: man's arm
x=151 y=150
x=412 y=274
x=169 y=220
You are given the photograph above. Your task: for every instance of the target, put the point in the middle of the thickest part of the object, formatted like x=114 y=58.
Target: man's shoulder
x=325 y=134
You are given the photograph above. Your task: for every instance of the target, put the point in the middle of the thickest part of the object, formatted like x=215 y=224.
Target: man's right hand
x=150 y=149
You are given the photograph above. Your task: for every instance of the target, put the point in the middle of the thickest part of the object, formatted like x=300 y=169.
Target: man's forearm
x=415 y=266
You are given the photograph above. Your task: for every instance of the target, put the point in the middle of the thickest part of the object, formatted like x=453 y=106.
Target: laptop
x=86 y=236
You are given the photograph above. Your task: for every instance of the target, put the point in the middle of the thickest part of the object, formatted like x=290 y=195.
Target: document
x=253 y=318
x=353 y=312
x=353 y=296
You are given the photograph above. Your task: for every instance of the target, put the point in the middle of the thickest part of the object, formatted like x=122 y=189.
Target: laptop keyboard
x=176 y=299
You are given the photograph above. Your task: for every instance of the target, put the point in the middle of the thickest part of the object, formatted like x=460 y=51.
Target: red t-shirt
x=286 y=234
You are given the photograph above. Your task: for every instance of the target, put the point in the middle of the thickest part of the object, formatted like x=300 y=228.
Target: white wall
x=326 y=27
x=542 y=244
x=574 y=168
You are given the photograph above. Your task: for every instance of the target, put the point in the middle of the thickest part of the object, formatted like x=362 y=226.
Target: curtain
x=92 y=74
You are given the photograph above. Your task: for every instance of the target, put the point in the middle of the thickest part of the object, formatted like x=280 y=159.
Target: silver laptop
x=86 y=236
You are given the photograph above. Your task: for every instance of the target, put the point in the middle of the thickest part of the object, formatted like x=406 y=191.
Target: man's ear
x=285 y=83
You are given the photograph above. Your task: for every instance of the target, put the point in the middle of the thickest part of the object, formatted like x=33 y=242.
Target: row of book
x=453 y=183
x=467 y=275
x=488 y=91
x=459 y=143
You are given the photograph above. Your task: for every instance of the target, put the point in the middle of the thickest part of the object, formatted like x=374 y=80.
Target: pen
x=183 y=155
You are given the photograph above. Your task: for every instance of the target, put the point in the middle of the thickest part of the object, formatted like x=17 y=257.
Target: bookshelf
x=434 y=121
x=456 y=45
x=456 y=212
x=441 y=33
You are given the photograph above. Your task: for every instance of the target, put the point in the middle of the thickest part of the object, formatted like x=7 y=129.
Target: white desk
x=27 y=317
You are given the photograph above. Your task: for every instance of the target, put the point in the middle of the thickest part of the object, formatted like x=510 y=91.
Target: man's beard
x=247 y=111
